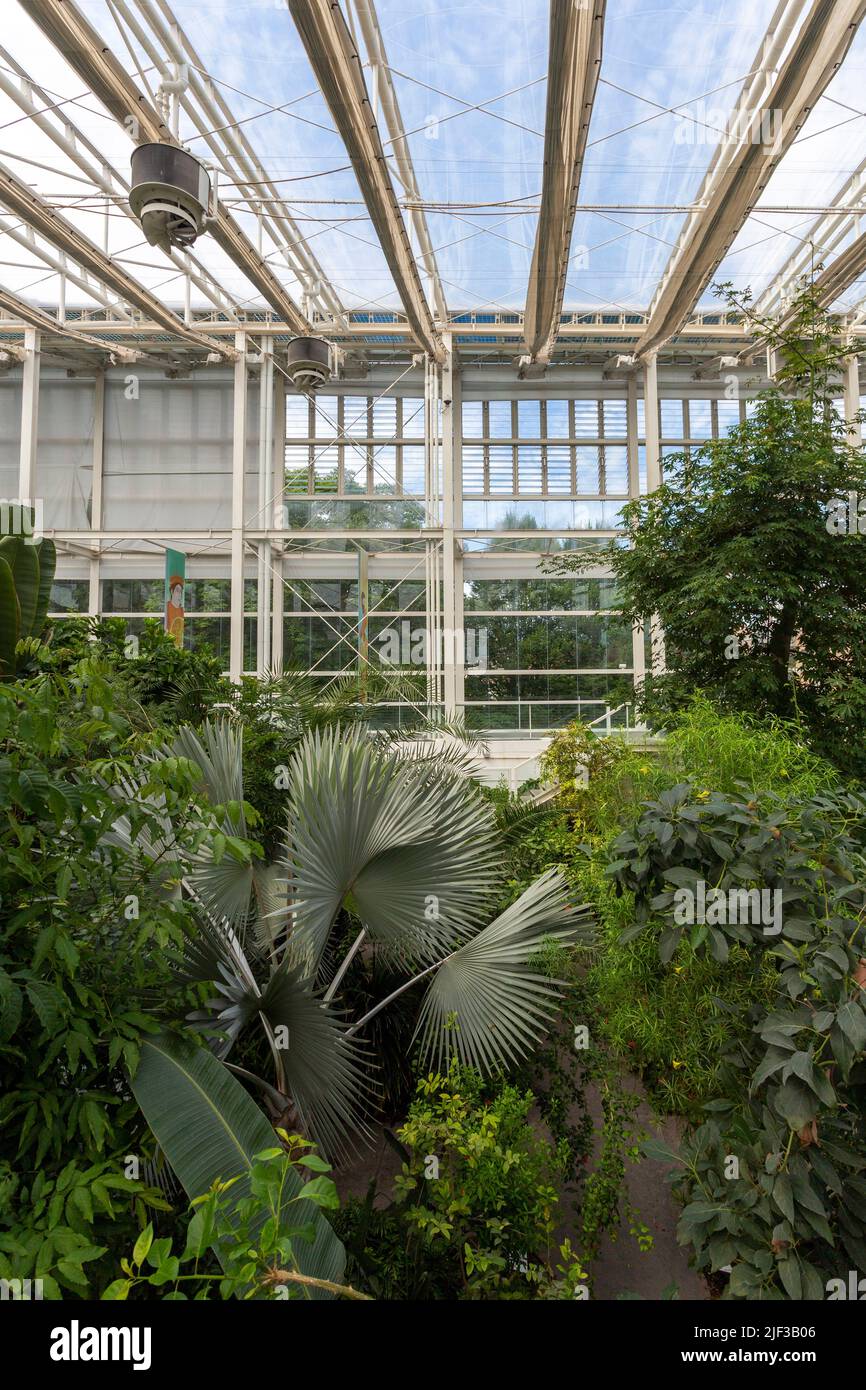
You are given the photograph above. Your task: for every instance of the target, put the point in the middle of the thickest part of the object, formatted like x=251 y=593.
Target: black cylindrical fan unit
x=170 y=195
x=308 y=363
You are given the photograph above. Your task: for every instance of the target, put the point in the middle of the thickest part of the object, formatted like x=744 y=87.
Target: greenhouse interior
x=433 y=662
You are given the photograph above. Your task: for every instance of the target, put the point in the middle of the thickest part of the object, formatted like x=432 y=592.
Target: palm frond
x=324 y=1071
x=218 y=750
x=486 y=1004
x=416 y=854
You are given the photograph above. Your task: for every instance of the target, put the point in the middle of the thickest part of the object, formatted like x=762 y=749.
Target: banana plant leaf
x=9 y=619
x=209 y=1128
x=47 y=552
x=24 y=563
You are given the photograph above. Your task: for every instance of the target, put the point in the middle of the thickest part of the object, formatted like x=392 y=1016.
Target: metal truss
x=575 y=48
x=213 y=118
x=789 y=76
x=100 y=70
x=35 y=213
x=386 y=97
x=77 y=146
x=337 y=65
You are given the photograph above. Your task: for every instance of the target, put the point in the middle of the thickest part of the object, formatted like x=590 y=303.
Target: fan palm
x=404 y=844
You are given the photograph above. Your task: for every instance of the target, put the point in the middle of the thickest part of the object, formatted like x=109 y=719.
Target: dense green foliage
x=87 y=931
x=745 y=558
x=475 y=1202
x=258 y=1236
x=790 y=1206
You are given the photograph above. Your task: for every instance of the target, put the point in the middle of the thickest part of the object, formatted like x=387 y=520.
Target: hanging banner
x=175 y=579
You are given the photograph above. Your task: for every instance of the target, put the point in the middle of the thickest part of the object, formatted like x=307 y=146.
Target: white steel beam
x=842 y=272
x=32 y=210
x=29 y=416
x=19 y=309
x=100 y=70
x=576 y=33
x=94 y=598
x=337 y=66
x=235 y=156
x=827 y=233
x=25 y=236
x=239 y=452
x=387 y=97
x=851 y=382
x=77 y=146
x=452 y=624
x=789 y=78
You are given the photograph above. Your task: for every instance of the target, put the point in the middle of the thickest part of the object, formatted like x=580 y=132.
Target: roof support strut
x=576 y=33
x=337 y=65
x=788 y=78
x=55 y=228
x=100 y=70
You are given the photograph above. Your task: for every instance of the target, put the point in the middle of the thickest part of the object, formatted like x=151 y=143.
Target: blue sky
x=447 y=57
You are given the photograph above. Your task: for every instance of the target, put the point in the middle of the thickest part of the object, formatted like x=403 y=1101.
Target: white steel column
x=851 y=382
x=265 y=506
x=452 y=626
x=638 y=654
x=433 y=562
x=239 y=449
x=278 y=483
x=94 y=597
x=29 y=416
x=653 y=476
x=651 y=417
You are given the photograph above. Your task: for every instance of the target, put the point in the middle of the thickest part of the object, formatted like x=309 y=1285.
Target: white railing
x=601 y=726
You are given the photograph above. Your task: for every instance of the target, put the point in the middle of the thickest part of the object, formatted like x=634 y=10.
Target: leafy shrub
x=86 y=929
x=258 y=1259
x=728 y=751
x=161 y=681
x=791 y=1208
x=476 y=1201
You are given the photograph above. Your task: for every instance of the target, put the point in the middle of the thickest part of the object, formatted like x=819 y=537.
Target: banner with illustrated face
x=175 y=580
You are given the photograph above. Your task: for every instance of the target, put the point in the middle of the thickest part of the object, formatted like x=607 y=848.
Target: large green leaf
x=47 y=553
x=487 y=1004
x=24 y=563
x=9 y=620
x=209 y=1128
x=415 y=854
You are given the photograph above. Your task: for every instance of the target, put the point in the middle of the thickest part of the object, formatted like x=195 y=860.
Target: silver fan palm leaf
x=487 y=1003
x=415 y=855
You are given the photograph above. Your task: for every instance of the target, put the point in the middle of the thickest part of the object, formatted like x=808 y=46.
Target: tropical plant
x=475 y=1203
x=26 y=574
x=85 y=936
x=218 y=1142
x=772 y=1187
x=759 y=593
x=401 y=846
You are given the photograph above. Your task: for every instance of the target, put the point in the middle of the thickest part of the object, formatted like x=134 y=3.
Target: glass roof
x=471 y=84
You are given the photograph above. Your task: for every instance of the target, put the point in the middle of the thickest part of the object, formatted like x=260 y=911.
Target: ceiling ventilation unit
x=308 y=363
x=170 y=195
